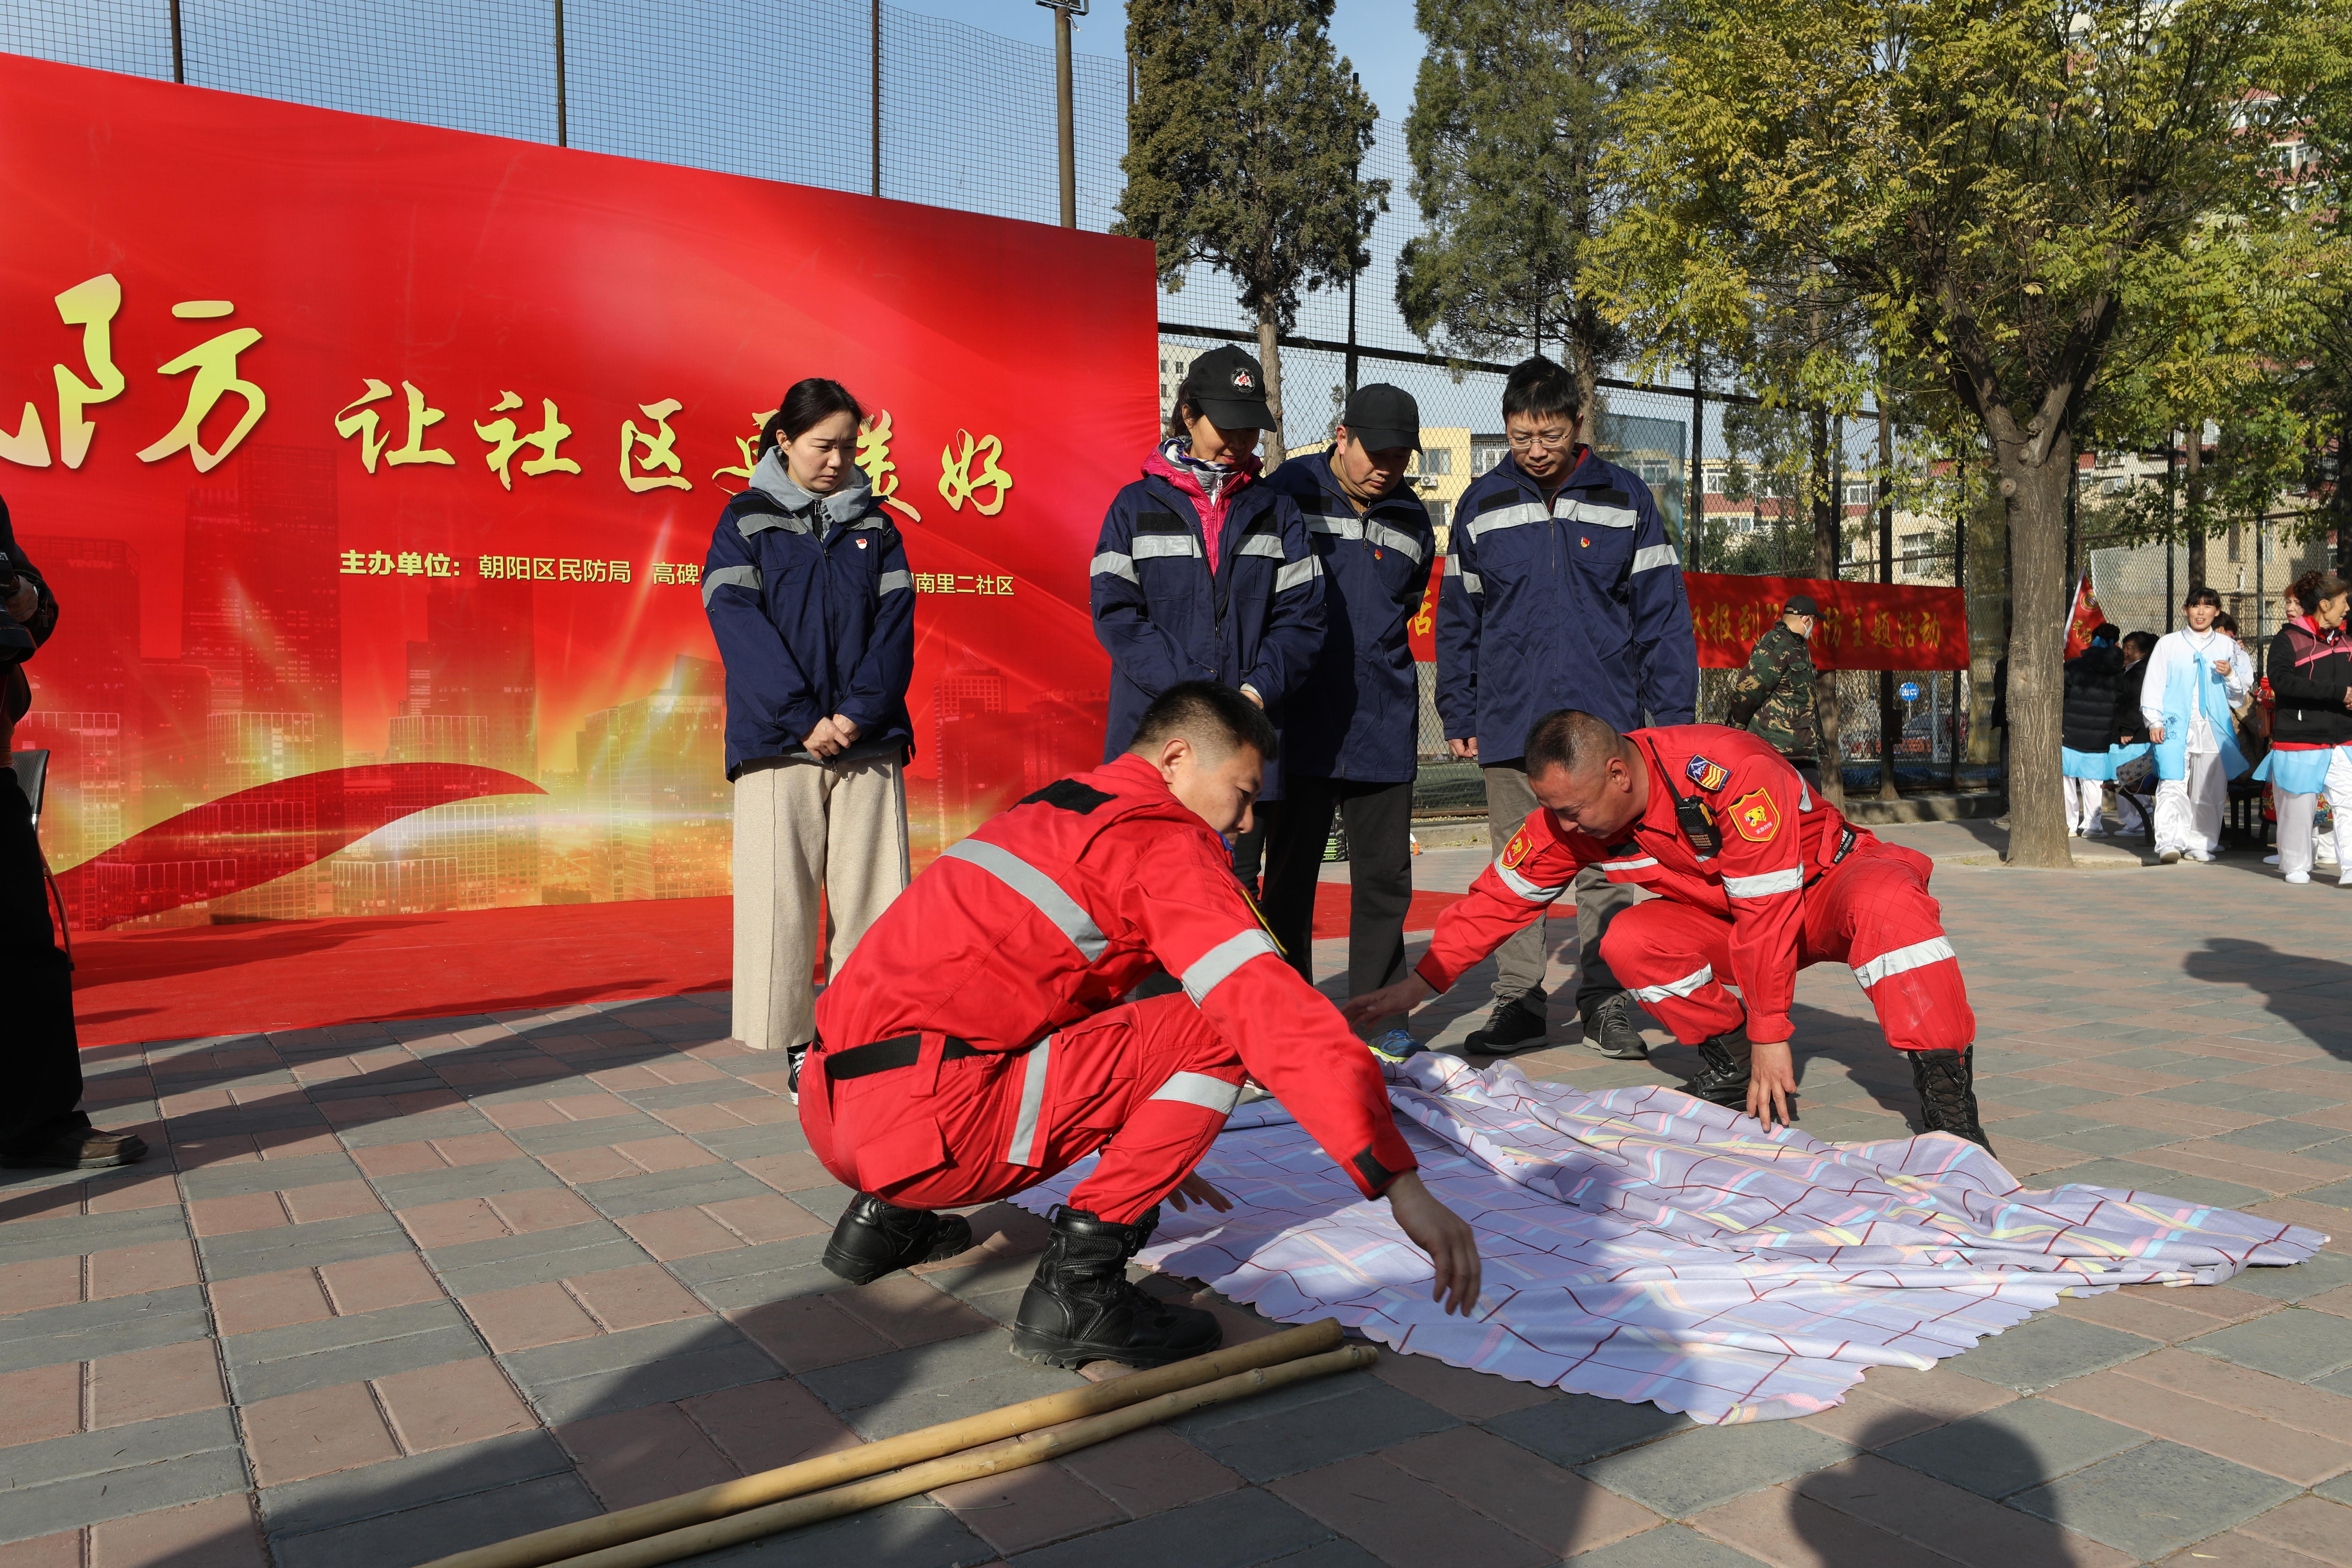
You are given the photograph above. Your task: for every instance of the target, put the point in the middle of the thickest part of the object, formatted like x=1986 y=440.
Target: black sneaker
x=1724 y=1079
x=83 y=1149
x=1610 y=1030
x=1516 y=1025
x=1081 y=1307
x=793 y=1057
x=875 y=1238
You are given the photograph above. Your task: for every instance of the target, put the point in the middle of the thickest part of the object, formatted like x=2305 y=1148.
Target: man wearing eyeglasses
x=1561 y=590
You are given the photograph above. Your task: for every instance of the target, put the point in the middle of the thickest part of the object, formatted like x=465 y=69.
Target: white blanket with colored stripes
x=1644 y=1246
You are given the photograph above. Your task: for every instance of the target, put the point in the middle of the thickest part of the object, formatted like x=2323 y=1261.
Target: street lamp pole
x=1063 y=10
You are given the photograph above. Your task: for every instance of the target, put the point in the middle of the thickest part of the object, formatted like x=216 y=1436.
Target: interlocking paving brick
x=597 y=1132
x=2155 y=1498
x=25 y=1240
x=301 y=1356
x=458 y=1402
x=1580 y=1427
x=249 y=1252
x=581 y=1378
x=2317 y=1529
x=456 y=1122
x=1668 y=1546
x=779 y=1270
x=535 y=1258
x=2288 y=1138
x=680 y=1188
x=314 y=1432
x=422 y=1187
x=2295 y=1344
x=2017 y=1446
x=1028 y=1508
x=217 y=1534
x=1556 y=1508
x=1959 y=1524
x=441 y=1526
x=2301 y=1457
x=148 y=1386
x=1709 y=1465
x=1237 y=1530
x=117 y=1471
x=87 y=1329
x=347 y=1497
x=1780 y=1526
x=1309 y=1424
x=2048 y=1349
x=2320 y=1271
x=1402 y=1520
x=267 y=1175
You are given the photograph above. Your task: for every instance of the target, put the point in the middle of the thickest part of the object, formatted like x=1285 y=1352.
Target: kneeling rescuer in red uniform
x=1757 y=878
x=975 y=1044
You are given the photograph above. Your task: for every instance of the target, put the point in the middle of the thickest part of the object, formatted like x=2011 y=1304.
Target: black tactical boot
x=1516 y=1025
x=875 y=1238
x=1082 y=1308
x=1948 y=1096
x=1724 y=1080
x=1610 y=1029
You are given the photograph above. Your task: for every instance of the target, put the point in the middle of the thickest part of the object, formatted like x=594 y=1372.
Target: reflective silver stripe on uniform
x=790 y=524
x=1022 y=1149
x=1337 y=527
x=1147 y=546
x=1473 y=583
x=1036 y=887
x=1629 y=865
x=1508 y=517
x=1111 y=564
x=1213 y=1094
x=1534 y=892
x=891 y=582
x=1656 y=556
x=1299 y=573
x=1804 y=795
x=738 y=576
x=1918 y=956
x=1606 y=516
x=1213 y=967
x=1388 y=538
x=1704 y=975
x=1765 y=886
x=1261 y=544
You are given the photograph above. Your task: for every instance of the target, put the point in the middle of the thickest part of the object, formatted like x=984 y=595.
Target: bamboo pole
x=1035 y=1448
x=727 y=1498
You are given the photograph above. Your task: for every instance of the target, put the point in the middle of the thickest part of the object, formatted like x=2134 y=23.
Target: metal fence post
x=875 y=129
x=179 y=59
x=562 y=108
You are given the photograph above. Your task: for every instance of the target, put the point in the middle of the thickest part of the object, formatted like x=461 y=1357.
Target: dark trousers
x=42 y=1060
x=1378 y=820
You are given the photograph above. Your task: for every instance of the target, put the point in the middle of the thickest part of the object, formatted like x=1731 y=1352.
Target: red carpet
x=299 y=974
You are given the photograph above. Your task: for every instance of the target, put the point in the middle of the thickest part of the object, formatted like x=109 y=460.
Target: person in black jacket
x=2092 y=679
x=41 y=1120
x=2128 y=743
x=2311 y=725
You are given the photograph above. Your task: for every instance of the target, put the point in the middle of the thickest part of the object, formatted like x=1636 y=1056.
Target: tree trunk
x=2034 y=498
x=2196 y=468
x=1828 y=546
x=1269 y=354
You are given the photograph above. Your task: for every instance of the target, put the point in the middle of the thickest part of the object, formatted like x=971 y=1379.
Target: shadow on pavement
x=2310 y=995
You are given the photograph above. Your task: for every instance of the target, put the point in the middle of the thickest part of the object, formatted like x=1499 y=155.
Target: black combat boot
x=1082 y=1308
x=1724 y=1080
x=875 y=1238
x=1610 y=1029
x=1948 y=1095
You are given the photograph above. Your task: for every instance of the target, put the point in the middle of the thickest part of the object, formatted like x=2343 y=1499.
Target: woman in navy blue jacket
x=809 y=597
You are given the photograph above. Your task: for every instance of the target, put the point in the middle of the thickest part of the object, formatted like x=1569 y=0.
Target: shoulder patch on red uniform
x=1705 y=775
x=1518 y=849
x=1756 y=816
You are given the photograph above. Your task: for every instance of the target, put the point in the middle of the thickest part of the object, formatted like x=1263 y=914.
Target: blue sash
x=2189 y=687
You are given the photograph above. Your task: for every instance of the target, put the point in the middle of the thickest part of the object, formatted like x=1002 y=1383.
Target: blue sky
x=1377 y=36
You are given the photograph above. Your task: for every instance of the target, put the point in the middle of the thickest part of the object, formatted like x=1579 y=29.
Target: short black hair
x=809 y=401
x=2202 y=595
x=1538 y=386
x=1206 y=711
x=2104 y=632
x=1569 y=738
x=2143 y=641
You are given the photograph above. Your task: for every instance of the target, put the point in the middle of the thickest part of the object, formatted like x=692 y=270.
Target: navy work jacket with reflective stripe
x=1576 y=604
x=810 y=623
x=1355 y=713
x=1164 y=620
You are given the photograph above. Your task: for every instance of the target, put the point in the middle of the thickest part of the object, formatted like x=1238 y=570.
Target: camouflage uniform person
x=1773 y=699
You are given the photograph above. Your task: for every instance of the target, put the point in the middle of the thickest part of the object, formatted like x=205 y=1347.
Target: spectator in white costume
x=2195 y=677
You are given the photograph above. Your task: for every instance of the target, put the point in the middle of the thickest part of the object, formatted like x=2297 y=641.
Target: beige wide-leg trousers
x=799 y=829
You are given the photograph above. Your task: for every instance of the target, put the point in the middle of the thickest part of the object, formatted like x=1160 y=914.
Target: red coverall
x=1005 y=957
x=1776 y=899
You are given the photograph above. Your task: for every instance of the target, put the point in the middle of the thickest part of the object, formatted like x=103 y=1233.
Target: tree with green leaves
x=2014 y=190
x=1247 y=139
x=1510 y=129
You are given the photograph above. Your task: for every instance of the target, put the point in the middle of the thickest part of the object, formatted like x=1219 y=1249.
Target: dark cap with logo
x=1800 y=605
x=1380 y=416
x=1229 y=387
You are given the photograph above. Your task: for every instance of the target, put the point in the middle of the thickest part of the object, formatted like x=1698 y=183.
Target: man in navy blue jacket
x=1561 y=591
x=1349 y=726
x=1202 y=573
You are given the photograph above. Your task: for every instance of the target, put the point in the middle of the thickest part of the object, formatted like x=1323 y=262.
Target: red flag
x=2084 y=618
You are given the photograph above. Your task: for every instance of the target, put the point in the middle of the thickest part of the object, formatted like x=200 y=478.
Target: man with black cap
x=1773 y=699
x=1202 y=573
x=1348 y=729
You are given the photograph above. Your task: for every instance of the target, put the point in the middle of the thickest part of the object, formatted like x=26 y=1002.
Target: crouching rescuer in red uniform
x=1757 y=878
x=975 y=1043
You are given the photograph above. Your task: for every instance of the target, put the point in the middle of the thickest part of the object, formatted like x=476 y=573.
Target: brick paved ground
x=395 y=1288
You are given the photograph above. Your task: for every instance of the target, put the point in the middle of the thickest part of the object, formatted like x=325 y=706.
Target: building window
x=1438 y=512
x=1715 y=481
x=1918 y=549
x=1437 y=460
x=1860 y=494
x=1485 y=454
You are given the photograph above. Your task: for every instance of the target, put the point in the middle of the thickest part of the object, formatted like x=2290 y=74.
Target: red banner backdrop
x=374 y=467
x=1863 y=625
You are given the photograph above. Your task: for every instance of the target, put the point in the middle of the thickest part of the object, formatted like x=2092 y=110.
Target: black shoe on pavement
x=84 y=1149
x=793 y=1057
x=1081 y=1307
x=875 y=1238
x=1516 y=1025
x=1724 y=1080
x=1948 y=1096
x=1610 y=1029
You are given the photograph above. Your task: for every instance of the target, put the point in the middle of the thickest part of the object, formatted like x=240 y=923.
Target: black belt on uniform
x=1845 y=848
x=882 y=1056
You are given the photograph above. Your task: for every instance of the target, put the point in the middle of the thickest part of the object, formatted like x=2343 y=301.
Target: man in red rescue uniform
x=1758 y=878
x=974 y=1043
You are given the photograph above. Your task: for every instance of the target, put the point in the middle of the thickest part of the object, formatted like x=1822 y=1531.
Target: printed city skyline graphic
x=374 y=471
